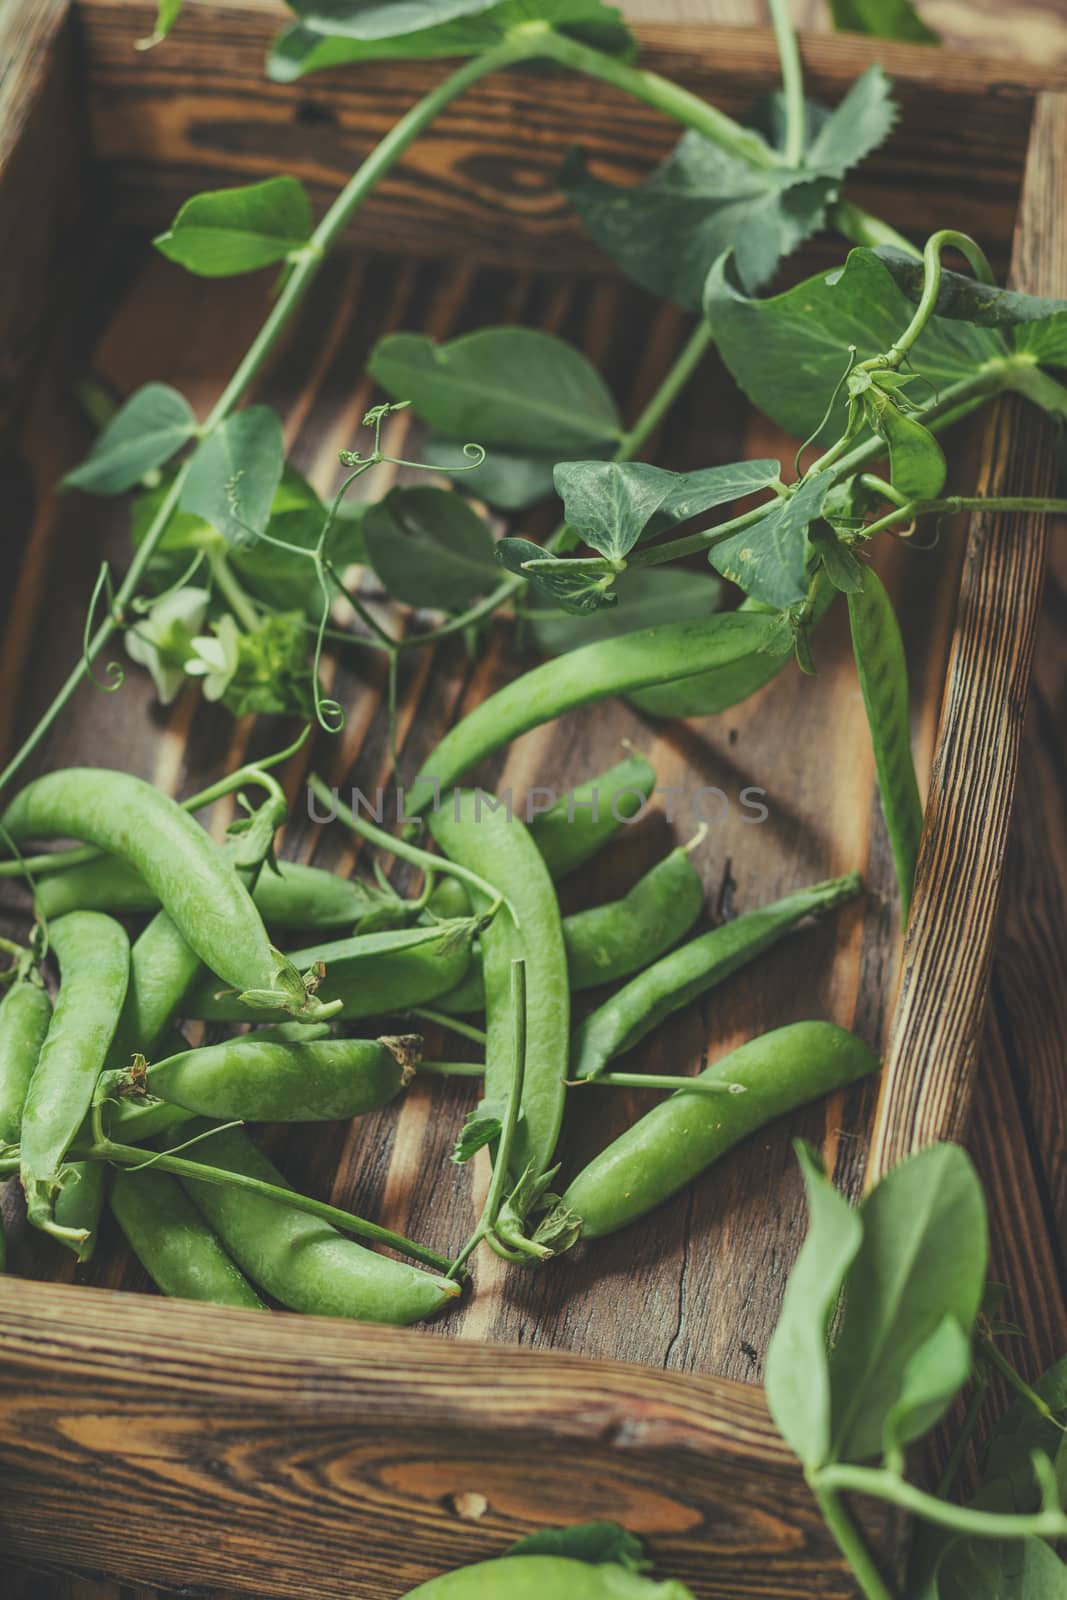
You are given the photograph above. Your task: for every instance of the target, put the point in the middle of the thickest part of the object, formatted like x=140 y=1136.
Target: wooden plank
x=929 y=1078
x=326 y=1460
x=199 y=112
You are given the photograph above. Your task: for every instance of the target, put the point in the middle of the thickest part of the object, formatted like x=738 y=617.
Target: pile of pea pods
x=104 y=1103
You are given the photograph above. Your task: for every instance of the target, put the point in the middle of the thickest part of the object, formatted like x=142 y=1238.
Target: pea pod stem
x=466 y=1030
x=494 y=1198
x=657 y=1080
x=125 y=1155
x=452 y=1069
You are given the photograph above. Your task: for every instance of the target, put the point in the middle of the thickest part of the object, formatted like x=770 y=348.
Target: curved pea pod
x=545 y=1578
x=616 y=666
x=917 y=462
x=611 y=941
x=372 y=974
x=502 y=851
x=253 y=1080
x=94 y=960
x=883 y=675
x=80 y=1203
x=25 y=1013
x=303 y=1263
x=195 y=882
x=686 y=1133
x=174 y=1244
x=678 y=978
x=585 y=819
x=296 y=896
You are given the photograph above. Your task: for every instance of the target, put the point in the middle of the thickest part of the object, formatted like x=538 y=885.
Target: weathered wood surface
x=199 y=111
x=929 y=1078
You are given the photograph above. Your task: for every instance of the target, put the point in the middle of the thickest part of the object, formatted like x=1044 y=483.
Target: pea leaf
x=788 y=352
x=152 y=426
x=305 y=48
x=798 y=1373
x=935 y=1373
x=382 y=19
x=842 y=568
x=862 y=121
x=577 y=584
x=885 y=19
x=1001 y=1569
x=480 y=1128
x=505 y=480
x=515 y=388
x=645 y=599
x=692 y=493
x=167 y=14
x=1008 y=1477
x=430 y=548
x=227 y=231
x=923 y=1258
x=984 y=304
x=769 y=559
x=597 y=1543
x=610 y=503
x=234 y=474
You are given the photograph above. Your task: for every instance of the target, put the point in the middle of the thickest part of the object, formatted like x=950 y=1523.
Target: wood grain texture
x=199 y=112
x=929 y=1078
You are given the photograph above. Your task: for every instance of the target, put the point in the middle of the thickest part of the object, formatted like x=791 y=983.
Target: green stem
x=944 y=239
x=968 y=1520
x=861 y=228
x=1028 y=380
x=988 y=1351
x=963 y=1438
x=466 y=1030
x=502 y=1157
x=656 y=1080
x=452 y=1069
x=125 y=1155
x=792 y=84
x=952 y=504
x=231 y=591
x=850 y=1544
x=516 y=47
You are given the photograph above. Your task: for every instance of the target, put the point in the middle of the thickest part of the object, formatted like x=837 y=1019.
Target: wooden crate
x=179 y=1444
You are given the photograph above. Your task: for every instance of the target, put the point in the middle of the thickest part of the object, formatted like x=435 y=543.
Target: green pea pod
x=583 y=821
x=94 y=960
x=254 y=1080
x=615 y=666
x=372 y=974
x=80 y=1202
x=883 y=675
x=305 y=1264
x=545 y=1578
x=683 y=1135
x=194 y=882
x=917 y=461
x=174 y=1244
x=678 y=978
x=501 y=850
x=296 y=896
x=611 y=941
x=25 y=1013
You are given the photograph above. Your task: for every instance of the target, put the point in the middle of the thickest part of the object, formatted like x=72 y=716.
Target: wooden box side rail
x=929 y=1078
x=179 y=1443
x=199 y=111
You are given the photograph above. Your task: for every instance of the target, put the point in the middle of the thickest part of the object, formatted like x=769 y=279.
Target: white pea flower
x=215 y=659
x=163 y=638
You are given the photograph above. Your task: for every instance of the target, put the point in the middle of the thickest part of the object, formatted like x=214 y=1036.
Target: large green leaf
x=516 y=388
x=152 y=426
x=1001 y=1569
x=234 y=474
x=430 y=548
x=303 y=48
x=798 y=1374
x=923 y=1258
x=885 y=19
x=769 y=559
x=789 y=352
x=227 y=231
x=611 y=503
x=645 y=600
x=703 y=200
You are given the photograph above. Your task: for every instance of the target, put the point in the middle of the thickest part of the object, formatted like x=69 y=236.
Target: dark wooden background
x=698 y=1309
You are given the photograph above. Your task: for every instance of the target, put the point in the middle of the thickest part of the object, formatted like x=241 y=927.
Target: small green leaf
x=933 y=1376
x=167 y=14
x=788 y=352
x=1001 y=1569
x=840 y=565
x=515 y=388
x=578 y=585
x=382 y=19
x=234 y=474
x=923 y=1258
x=769 y=559
x=863 y=120
x=917 y=461
x=645 y=599
x=885 y=19
x=430 y=548
x=692 y=493
x=227 y=231
x=597 y=1543
x=506 y=480
x=480 y=1128
x=152 y=426
x=610 y=503
x=798 y=1375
